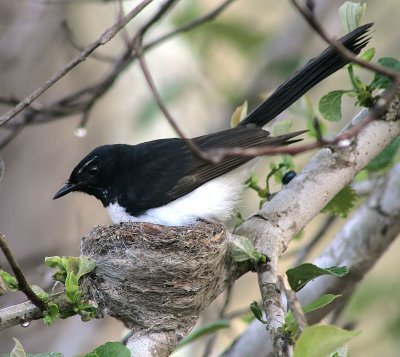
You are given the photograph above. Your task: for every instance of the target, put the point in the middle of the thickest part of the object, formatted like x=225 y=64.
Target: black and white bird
x=163 y=182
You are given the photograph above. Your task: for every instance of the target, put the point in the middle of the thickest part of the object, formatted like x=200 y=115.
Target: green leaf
x=368 y=54
x=319 y=303
x=342 y=203
x=351 y=13
x=71 y=288
x=87 y=311
x=72 y=265
x=330 y=105
x=257 y=312
x=18 y=350
x=86 y=265
x=243 y=249
x=239 y=114
x=299 y=276
x=54 y=262
x=50 y=314
x=386 y=158
x=321 y=340
x=342 y=351
x=381 y=81
x=110 y=349
x=40 y=293
x=11 y=282
x=57 y=262
x=59 y=276
x=358 y=84
x=205 y=330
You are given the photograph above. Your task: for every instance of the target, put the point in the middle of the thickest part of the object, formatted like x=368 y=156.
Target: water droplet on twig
x=344 y=143
x=25 y=323
x=80 y=132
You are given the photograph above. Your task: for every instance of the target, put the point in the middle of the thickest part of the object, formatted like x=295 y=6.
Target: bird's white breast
x=215 y=200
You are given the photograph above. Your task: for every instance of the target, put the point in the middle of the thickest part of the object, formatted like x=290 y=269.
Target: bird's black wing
x=179 y=171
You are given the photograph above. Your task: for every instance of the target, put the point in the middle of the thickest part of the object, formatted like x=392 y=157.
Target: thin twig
x=347 y=54
x=217 y=155
x=124 y=33
x=192 y=146
x=22 y=283
x=85 y=98
x=293 y=303
x=72 y=40
x=381 y=104
x=103 y=39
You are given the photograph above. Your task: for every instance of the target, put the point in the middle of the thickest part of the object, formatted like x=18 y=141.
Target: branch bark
x=274 y=226
x=360 y=244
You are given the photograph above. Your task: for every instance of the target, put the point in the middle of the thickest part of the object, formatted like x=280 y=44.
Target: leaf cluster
x=70 y=270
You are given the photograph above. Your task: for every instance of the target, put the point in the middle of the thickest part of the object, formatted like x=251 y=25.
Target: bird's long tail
x=316 y=70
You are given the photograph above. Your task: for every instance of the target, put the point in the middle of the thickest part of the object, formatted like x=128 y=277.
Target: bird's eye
x=93 y=170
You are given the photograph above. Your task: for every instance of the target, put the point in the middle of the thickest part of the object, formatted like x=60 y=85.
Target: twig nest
x=157 y=278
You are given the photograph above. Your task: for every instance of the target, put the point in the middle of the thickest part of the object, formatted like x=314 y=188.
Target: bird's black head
x=95 y=173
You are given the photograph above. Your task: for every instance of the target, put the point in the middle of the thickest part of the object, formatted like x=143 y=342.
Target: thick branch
x=274 y=226
x=362 y=241
x=27 y=311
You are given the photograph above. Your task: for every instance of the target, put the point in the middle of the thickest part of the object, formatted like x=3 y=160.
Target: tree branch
x=102 y=40
x=274 y=226
x=193 y=147
x=22 y=283
x=359 y=245
x=27 y=311
x=293 y=303
x=83 y=100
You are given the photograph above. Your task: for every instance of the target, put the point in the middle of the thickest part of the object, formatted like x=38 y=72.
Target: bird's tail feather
x=316 y=70
x=285 y=138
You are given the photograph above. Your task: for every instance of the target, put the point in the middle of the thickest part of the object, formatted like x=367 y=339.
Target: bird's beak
x=67 y=188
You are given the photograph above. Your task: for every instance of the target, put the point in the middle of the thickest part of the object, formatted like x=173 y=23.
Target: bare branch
x=22 y=283
x=103 y=39
x=359 y=245
x=274 y=226
x=293 y=303
x=27 y=311
x=193 y=147
x=83 y=100
x=71 y=38
x=310 y=18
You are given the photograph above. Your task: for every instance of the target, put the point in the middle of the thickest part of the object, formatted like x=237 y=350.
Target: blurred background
x=202 y=75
